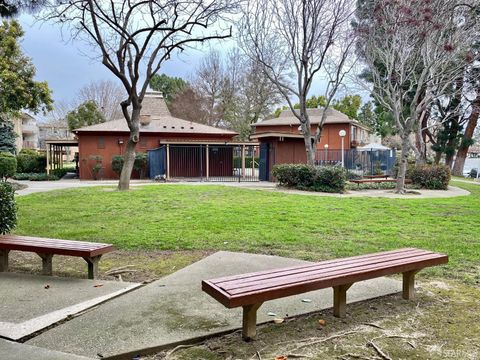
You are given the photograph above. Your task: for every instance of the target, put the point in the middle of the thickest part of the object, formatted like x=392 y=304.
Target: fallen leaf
x=271 y=314
x=97 y=285
x=280 y=357
x=322 y=322
x=306 y=300
x=47 y=286
x=278 y=320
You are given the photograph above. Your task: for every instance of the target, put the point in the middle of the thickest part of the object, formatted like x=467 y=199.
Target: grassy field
x=173 y=217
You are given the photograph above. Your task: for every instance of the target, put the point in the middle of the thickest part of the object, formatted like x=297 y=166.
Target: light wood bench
x=46 y=248
x=252 y=289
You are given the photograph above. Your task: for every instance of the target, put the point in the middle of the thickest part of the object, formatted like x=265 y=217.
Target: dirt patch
x=441 y=323
x=142 y=265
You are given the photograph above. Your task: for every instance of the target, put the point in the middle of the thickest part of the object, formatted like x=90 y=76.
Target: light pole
x=342 y=134
x=326 y=153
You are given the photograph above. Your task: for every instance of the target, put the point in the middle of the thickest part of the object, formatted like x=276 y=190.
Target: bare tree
x=208 y=83
x=106 y=94
x=135 y=38
x=296 y=41
x=414 y=51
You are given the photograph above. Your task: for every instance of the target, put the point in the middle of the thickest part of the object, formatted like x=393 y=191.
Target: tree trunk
x=402 y=168
x=129 y=157
x=467 y=137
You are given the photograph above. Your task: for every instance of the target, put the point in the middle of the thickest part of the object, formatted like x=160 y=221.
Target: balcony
x=29 y=144
x=29 y=129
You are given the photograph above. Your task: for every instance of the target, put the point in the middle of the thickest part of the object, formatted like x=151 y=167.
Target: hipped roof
x=287 y=118
x=161 y=121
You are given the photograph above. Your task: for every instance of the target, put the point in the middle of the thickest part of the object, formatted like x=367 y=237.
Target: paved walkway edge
x=30 y=328
x=199 y=339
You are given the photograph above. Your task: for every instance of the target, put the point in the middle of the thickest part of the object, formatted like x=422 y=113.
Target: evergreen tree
x=7 y=137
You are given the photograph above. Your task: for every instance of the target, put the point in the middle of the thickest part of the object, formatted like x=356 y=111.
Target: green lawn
x=217 y=217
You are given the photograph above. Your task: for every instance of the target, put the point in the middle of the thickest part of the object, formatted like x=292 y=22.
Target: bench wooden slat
x=46 y=248
x=54 y=246
x=320 y=276
x=319 y=268
x=258 y=287
x=326 y=262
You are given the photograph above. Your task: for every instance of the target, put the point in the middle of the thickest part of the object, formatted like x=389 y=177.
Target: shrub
x=60 y=173
x=8 y=209
x=30 y=161
x=43 y=177
x=35 y=176
x=117 y=164
x=434 y=177
x=140 y=164
x=306 y=177
x=8 y=165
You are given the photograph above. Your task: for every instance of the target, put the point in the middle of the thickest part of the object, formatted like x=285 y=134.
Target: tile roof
x=161 y=121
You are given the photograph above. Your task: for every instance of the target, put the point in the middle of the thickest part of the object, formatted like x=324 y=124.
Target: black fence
x=205 y=162
x=362 y=162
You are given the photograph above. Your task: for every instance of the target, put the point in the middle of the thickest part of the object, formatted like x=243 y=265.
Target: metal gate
x=206 y=162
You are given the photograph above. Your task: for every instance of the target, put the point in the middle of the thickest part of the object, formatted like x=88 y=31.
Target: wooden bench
x=376 y=180
x=251 y=290
x=46 y=248
x=376 y=176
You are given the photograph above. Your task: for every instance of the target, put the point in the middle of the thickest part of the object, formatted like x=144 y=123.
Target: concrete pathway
x=43 y=186
x=174 y=309
x=14 y=351
x=31 y=303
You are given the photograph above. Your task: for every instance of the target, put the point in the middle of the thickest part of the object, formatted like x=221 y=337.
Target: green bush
x=433 y=177
x=8 y=209
x=31 y=162
x=140 y=164
x=306 y=177
x=60 y=173
x=35 y=176
x=8 y=165
x=117 y=164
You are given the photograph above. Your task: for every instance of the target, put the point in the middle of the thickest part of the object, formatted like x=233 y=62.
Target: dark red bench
x=251 y=290
x=46 y=248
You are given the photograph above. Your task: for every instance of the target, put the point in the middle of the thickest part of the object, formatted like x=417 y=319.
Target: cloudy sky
x=68 y=65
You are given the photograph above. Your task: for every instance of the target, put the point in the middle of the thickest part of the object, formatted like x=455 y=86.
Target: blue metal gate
x=264 y=170
x=157 y=160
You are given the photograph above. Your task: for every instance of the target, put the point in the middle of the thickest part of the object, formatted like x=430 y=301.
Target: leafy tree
x=7 y=137
x=168 y=86
x=86 y=114
x=349 y=105
x=18 y=89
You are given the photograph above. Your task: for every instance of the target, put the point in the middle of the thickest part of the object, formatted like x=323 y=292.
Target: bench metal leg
x=46 y=263
x=340 y=300
x=409 y=284
x=92 y=266
x=4 y=260
x=249 y=327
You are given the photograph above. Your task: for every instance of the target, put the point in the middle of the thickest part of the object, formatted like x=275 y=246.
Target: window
x=101 y=142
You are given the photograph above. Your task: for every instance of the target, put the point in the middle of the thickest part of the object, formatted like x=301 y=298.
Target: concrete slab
x=14 y=351
x=31 y=303
x=174 y=309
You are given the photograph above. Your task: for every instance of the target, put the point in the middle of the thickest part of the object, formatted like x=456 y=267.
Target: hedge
x=31 y=162
x=306 y=177
x=8 y=209
x=36 y=176
x=8 y=165
x=433 y=177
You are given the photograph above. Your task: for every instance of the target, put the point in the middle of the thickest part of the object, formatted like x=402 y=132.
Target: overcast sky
x=67 y=68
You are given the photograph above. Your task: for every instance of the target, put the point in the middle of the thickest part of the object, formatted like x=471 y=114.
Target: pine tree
x=7 y=137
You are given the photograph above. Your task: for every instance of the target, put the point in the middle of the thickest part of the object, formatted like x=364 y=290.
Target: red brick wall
x=106 y=146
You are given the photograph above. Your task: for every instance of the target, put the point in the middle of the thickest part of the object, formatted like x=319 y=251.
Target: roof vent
x=164 y=126
x=173 y=127
x=182 y=127
x=191 y=127
x=145 y=120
